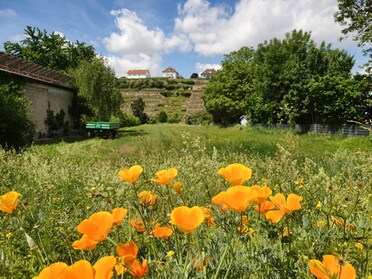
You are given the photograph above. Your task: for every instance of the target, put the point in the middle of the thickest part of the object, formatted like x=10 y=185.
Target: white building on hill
x=170 y=73
x=138 y=73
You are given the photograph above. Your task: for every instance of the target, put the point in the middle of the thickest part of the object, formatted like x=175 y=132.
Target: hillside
x=171 y=96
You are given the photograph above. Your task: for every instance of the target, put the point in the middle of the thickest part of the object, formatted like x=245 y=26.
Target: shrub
x=163 y=117
x=16 y=129
x=201 y=117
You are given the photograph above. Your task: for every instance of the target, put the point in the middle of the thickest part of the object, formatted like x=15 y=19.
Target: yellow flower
x=9 y=235
x=236 y=174
x=9 y=201
x=332 y=267
x=359 y=246
x=318 y=205
x=236 y=198
x=177 y=187
x=170 y=253
x=164 y=177
x=299 y=181
x=146 y=198
x=187 y=219
x=130 y=175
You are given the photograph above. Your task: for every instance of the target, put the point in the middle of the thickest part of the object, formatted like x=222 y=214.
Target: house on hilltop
x=170 y=73
x=138 y=73
x=208 y=73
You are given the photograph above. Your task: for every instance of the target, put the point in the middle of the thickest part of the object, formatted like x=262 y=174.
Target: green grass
x=57 y=181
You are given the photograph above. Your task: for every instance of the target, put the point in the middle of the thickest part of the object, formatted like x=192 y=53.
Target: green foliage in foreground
x=64 y=183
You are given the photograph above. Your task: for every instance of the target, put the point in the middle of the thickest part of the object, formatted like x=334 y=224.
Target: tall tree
x=287 y=81
x=96 y=84
x=356 y=18
x=50 y=50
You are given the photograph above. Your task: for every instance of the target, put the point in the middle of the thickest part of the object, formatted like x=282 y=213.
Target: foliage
x=162 y=117
x=287 y=81
x=197 y=118
x=124 y=83
x=96 y=84
x=355 y=17
x=138 y=109
x=55 y=122
x=79 y=111
x=16 y=128
x=50 y=50
x=87 y=182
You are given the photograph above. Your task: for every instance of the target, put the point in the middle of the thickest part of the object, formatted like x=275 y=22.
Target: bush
x=201 y=117
x=174 y=117
x=128 y=120
x=16 y=129
x=163 y=117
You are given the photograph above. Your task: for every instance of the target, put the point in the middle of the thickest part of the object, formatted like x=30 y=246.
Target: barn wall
x=40 y=94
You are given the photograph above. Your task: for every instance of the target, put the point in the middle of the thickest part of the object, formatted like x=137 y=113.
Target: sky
x=188 y=35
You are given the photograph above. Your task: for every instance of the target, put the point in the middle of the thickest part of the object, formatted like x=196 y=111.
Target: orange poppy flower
x=80 y=270
x=130 y=248
x=9 y=201
x=162 y=232
x=274 y=216
x=237 y=198
x=236 y=174
x=97 y=226
x=164 y=177
x=85 y=243
x=187 y=219
x=177 y=187
x=340 y=224
x=218 y=201
x=138 y=270
x=291 y=204
x=130 y=175
x=264 y=207
x=52 y=272
x=208 y=215
x=332 y=267
x=118 y=214
x=199 y=263
x=263 y=193
x=146 y=198
x=138 y=225
x=321 y=223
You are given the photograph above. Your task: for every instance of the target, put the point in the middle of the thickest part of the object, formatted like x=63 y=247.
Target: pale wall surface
x=40 y=94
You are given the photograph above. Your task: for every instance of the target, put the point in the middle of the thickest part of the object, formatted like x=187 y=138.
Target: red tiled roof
x=137 y=72
x=169 y=70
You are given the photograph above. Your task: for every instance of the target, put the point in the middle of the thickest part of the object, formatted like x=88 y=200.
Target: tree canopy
x=50 y=50
x=287 y=81
x=356 y=18
x=96 y=84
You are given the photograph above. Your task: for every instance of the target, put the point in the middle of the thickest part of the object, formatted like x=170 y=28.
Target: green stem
x=221 y=262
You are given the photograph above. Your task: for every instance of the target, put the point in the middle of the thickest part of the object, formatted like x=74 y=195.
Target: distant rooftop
x=169 y=70
x=19 y=66
x=209 y=72
x=137 y=71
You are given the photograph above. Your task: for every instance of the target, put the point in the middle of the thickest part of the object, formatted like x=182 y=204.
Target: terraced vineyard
x=174 y=101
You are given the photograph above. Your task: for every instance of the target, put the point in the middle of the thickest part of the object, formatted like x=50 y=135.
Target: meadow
x=329 y=179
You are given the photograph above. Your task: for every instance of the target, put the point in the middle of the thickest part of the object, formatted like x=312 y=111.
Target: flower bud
x=177 y=187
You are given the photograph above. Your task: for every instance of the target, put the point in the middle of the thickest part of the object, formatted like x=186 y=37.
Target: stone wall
x=40 y=94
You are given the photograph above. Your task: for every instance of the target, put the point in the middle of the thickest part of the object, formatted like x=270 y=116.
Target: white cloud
x=138 y=47
x=135 y=37
x=8 y=13
x=199 y=67
x=215 y=30
x=17 y=37
x=137 y=61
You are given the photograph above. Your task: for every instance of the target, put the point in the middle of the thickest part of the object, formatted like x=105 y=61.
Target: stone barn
x=42 y=87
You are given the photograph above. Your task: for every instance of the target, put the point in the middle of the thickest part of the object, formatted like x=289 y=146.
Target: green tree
x=96 y=84
x=224 y=96
x=50 y=50
x=16 y=129
x=138 y=109
x=356 y=18
x=287 y=81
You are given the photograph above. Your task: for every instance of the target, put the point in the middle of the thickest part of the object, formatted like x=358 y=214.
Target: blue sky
x=189 y=35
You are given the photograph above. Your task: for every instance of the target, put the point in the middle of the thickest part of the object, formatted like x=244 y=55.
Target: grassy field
x=65 y=182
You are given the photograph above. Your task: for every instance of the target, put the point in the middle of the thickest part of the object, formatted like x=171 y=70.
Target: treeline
x=288 y=81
